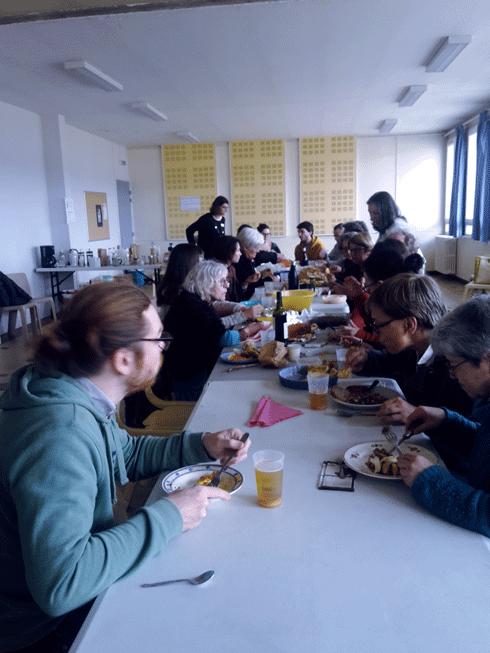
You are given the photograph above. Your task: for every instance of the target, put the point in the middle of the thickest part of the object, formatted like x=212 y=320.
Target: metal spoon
x=192 y=581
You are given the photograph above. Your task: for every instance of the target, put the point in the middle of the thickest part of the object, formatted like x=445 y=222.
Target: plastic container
x=297 y=300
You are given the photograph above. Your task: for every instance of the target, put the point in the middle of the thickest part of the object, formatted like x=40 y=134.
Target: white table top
x=368 y=571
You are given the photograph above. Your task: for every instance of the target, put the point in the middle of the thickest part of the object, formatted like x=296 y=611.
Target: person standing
x=209 y=226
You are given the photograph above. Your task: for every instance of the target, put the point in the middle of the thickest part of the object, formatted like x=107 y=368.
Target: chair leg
x=12 y=324
x=23 y=319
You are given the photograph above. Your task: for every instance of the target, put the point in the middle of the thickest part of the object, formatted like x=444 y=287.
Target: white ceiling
x=281 y=69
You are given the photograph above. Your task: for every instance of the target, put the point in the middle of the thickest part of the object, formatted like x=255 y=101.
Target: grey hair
x=203 y=276
x=250 y=238
x=465 y=331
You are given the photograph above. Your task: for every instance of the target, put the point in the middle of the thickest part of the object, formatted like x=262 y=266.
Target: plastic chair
x=21 y=280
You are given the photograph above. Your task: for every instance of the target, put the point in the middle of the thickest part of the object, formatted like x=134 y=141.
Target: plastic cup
x=318 y=390
x=269 y=467
x=266 y=336
x=294 y=352
x=341 y=354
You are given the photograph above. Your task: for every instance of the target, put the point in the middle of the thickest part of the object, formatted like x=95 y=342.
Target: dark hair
x=182 y=259
x=306 y=225
x=219 y=201
x=388 y=210
x=97 y=321
x=224 y=248
x=262 y=226
x=339 y=226
x=391 y=257
x=356 y=225
x=409 y=295
x=243 y=226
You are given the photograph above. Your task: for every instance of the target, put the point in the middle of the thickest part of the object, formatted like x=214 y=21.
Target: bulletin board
x=257 y=181
x=189 y=174
x=328 y=181
x=97 y=217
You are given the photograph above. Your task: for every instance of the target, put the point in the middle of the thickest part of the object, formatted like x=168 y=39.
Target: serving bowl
x=297 y=300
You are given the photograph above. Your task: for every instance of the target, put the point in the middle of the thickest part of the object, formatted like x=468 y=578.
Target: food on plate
x=306 y=275
x=357 y=394
x=207 y=478
x=225 y=482
x=248 y=352
x=345 y=373
x=273 y=354
x=334 y=299
x=328 y=367
x=304 y=330
x=380 y=462
x=267 y=273
x=334 y=336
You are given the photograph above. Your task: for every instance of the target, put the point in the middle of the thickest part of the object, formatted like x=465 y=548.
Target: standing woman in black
x=209 y=226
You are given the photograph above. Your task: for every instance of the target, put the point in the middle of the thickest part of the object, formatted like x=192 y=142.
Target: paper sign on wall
x=69 y=210
x=192 y=203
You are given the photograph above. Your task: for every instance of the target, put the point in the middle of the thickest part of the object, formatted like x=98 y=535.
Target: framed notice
x=97 y=217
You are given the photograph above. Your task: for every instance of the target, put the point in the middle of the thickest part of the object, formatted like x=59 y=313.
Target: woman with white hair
x=251 y=242
x=463 y=337
x=198 y=332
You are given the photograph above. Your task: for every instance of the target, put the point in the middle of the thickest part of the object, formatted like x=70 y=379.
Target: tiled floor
x=15 y=354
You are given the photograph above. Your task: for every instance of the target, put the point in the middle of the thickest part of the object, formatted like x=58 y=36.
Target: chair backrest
x=20 y=278
x=482 y=270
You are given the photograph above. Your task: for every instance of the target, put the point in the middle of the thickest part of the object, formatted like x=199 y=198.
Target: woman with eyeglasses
x=463 y=338
x=403 y=312
x=198 y=332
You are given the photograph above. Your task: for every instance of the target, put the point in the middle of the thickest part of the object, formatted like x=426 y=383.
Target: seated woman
x=182 y=259
x=251 y=241
x=270 y=253
x=404 y=310
x=231 y=311
x=463 y=338
x=198 y=332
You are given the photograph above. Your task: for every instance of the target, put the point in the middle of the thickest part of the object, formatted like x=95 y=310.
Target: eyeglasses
x=164 y=340
x=224 y=282
x=356 y=249
x=453 y=368
x=377 y=327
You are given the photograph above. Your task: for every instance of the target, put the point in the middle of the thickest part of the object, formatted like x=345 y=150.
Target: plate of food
x=247 y=354
x=354 y=395
x=374 y=458
x=202 y=474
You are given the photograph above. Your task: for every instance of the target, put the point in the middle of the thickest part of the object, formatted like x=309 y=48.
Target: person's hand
x=194 y=501
x=411 y=466
x=335 y=269
x=252 y=331
x=223 y=443
x=352 y=287
x=350 y=330
x=351 y=341
x=337 y=288
x=395 y=411
x=424 y=418
x=355 y=358
x=252 y=312
x=282 y=257
x=253 y=278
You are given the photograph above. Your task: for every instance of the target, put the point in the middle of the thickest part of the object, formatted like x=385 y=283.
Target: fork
x=393 y=439
x=216 y=479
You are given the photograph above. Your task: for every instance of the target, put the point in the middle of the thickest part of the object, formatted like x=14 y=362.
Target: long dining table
x=328 y=571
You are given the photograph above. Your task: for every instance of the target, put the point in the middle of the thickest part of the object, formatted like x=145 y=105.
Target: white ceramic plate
x=356 y=457
x=185 y=477
x=388 y=393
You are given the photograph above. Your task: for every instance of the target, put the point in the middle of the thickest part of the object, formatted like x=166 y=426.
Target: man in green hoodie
x=62 y=454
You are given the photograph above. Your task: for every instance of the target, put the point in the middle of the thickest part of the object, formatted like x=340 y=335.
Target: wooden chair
x=480 y=281
x=21 y=280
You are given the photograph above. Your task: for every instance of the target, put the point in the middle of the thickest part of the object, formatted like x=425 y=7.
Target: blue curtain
x=458 y=193
x=481 y=215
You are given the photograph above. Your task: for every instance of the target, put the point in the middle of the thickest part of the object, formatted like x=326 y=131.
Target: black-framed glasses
x=377 y=327
x=165 y=340
x=453 y=368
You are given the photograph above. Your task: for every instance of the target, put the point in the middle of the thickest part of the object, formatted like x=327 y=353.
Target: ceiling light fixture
x=94 y=75
x=446 y=53
x=387 y=125
x=187 y=137
x=148 y=111
x=411 y=95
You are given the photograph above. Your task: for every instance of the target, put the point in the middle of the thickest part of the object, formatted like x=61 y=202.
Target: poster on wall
x=97 y=216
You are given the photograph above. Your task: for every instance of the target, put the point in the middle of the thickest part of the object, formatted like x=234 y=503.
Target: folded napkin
x=269 y=412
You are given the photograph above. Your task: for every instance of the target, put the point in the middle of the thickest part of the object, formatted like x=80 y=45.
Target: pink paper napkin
x=269 y=412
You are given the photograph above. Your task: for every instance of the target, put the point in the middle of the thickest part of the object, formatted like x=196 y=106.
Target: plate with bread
x=375 y=459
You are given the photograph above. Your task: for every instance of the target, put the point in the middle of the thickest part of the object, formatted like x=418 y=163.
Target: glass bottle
x=304 y=258
x=280 y=316
x=293 y=277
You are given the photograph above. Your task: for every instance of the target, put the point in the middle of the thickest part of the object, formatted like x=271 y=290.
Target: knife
x=239 y=367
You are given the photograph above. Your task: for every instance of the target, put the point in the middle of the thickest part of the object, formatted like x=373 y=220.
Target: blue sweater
x=461 y=501
x=60 y=460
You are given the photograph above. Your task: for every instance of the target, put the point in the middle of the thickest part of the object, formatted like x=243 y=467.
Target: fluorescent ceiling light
x=94 y=75
x=387 y=125
x=446 y=53
x=148 y=111
x=411 y=95
x=188 y=137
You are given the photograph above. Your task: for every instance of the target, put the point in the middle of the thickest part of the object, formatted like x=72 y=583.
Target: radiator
x=445 y=254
